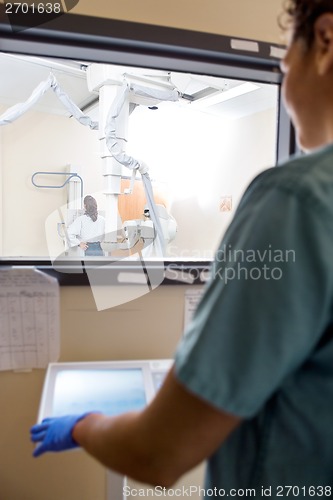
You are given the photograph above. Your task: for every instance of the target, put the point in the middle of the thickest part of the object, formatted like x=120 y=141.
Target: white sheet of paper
x=29 y=319
x=192 y=299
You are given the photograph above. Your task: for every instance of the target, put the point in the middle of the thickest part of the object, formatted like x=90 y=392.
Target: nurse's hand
x=55 y=434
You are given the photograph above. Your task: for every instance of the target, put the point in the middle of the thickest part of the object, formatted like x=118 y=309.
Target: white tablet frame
x=147 y=367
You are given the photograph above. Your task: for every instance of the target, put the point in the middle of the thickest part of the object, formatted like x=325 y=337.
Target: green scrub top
x=260 y=345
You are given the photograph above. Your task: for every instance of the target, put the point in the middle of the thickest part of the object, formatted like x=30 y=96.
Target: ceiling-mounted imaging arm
x=16 y=111
x=113 y=131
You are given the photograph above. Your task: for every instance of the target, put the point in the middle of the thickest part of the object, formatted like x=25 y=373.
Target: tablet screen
x=110 y=391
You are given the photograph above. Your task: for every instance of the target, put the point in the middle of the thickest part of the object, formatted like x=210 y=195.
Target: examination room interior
x=199 y=187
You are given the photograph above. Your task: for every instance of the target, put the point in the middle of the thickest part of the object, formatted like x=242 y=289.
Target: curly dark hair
x=90 y=205
x=302 y=15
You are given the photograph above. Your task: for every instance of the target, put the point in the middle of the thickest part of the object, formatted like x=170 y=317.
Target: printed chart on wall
x=29 y=319
x=192 y=299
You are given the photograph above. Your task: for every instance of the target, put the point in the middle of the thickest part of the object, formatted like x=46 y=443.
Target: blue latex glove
x=55 y=434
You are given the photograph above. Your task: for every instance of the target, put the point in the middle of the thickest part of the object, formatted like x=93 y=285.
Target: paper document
x=29 y=319
x=192 y=299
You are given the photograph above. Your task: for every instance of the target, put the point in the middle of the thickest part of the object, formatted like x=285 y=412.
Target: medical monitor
x=202 y=148
x=112 y=387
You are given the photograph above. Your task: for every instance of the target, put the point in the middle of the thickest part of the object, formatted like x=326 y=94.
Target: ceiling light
x=225 y=95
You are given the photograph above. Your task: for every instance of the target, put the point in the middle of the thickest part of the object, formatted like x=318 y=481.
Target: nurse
x=251 y=389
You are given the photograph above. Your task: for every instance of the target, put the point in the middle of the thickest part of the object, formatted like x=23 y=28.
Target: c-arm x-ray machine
x=119 y=93
x=118 y=96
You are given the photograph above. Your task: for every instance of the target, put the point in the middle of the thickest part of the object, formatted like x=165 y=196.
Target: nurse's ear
x=323 y=43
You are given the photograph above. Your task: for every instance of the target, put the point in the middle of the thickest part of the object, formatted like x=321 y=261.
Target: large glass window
x=201 y=151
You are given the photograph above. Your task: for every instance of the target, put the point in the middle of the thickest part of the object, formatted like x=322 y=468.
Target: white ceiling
x=20 y=75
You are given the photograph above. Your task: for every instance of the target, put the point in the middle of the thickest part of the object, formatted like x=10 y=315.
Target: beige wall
x=147 y=327
x=255 y=19
x=143 y=324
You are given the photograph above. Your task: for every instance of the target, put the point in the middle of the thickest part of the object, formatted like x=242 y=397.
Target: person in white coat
x=88 y=230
